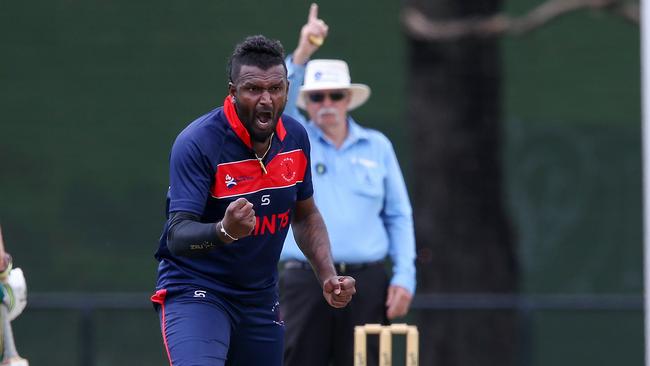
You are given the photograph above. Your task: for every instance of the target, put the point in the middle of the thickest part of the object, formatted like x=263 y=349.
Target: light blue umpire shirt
x=360 y=192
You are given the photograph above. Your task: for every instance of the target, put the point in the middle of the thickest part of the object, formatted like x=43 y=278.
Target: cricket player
x=239 y=175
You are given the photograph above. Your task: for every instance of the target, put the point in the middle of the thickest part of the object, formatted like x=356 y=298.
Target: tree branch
x=418 y=26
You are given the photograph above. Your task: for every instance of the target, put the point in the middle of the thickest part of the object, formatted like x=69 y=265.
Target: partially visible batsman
x=239 y=175
x=13 y=299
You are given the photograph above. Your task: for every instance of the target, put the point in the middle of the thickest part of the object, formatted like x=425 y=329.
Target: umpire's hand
x=338 y=290
x=312 y=36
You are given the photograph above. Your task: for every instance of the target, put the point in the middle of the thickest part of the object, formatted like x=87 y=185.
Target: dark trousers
x=317 y=334
x=202 y=328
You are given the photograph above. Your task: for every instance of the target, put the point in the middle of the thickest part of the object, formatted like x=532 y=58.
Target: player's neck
x=262 y=148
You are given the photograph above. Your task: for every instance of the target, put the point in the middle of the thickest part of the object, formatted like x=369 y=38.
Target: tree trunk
x=465 y=243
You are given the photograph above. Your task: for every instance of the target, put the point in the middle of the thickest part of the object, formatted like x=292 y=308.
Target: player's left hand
x=338 y=290
x=398 y=301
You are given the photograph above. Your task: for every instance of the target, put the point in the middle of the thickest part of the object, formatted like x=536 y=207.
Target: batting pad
x=15 y=291
x=15 y=361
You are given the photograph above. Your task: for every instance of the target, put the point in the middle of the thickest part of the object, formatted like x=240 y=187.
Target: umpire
x=360 y=191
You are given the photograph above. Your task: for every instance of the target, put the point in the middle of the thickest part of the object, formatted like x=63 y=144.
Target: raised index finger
x=313 y=12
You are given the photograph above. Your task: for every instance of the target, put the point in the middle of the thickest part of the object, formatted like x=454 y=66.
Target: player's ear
x=232 y=90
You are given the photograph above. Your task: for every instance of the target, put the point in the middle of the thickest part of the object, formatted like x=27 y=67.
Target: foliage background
x=94 y=92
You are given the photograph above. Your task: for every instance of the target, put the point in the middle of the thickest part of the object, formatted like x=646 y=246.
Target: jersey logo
x=199 y=293
x=266 y=200
x=288 y=172
x=230 y=181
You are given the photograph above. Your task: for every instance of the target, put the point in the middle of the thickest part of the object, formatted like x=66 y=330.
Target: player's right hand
x=239 y=219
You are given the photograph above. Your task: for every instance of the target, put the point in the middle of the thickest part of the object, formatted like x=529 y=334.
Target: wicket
x=386 y=343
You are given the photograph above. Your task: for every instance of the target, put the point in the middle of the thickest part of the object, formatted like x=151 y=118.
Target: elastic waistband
x=341 y=267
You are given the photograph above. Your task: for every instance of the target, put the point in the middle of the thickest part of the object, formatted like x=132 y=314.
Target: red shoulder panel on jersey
x=246 y=176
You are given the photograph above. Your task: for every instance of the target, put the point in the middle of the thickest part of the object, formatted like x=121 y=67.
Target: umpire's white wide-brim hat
x=328 y=75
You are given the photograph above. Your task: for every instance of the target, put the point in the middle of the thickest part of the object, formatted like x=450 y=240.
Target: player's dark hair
x=256 y=51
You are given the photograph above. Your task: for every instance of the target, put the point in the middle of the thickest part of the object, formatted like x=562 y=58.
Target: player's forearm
x=311 y=235
x=188 y=236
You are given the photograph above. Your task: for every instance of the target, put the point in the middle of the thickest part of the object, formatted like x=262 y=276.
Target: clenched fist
x=239 y=219
x=338 y=290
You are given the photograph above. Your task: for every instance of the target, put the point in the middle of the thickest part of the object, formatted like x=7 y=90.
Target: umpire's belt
x=341 y=267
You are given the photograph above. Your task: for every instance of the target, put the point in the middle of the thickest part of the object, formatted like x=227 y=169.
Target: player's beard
x=258 y=130
x=261 y=134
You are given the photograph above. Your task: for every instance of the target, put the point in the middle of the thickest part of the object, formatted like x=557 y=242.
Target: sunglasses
x=320 y=97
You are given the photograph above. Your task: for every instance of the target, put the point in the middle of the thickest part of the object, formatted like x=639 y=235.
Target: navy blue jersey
x=212 y=163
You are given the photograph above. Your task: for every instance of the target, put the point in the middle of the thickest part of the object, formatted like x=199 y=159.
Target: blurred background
x=521 y=150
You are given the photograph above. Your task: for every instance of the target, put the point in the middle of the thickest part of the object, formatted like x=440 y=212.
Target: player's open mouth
x=264 y=119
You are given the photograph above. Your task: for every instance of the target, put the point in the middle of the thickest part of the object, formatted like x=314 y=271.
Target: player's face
x=260 y=98
x=328 y=107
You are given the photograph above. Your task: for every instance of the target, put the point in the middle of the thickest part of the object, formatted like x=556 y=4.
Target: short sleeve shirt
x=212 y=163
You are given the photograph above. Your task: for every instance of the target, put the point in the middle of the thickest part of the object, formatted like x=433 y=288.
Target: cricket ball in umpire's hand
x=316 y=40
